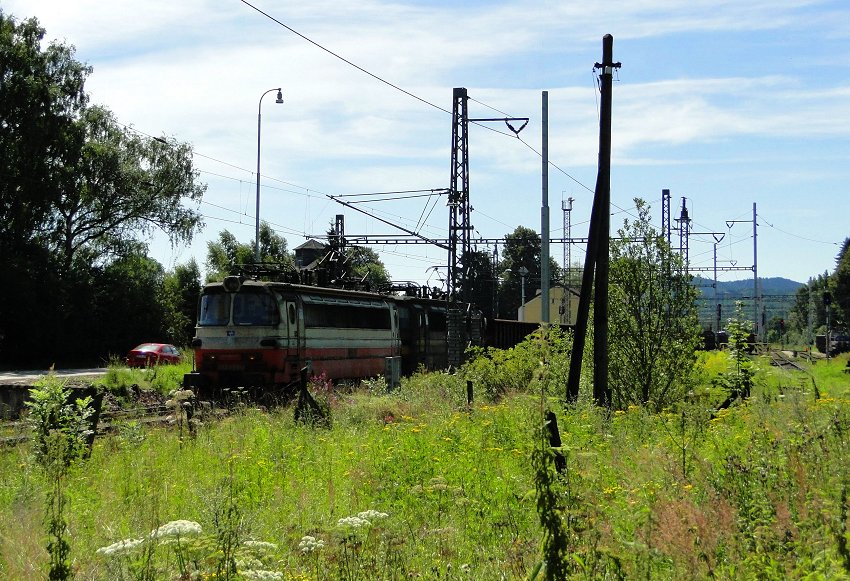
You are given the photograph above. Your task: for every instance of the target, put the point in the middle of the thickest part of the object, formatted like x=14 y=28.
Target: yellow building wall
x=559 y=310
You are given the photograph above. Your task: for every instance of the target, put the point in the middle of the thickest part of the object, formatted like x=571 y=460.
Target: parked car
x=149 y=354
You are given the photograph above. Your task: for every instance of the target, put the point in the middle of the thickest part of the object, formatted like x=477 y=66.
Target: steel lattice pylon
x=459 y=208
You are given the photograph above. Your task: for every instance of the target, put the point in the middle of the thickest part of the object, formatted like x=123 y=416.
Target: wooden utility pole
x=596 y=264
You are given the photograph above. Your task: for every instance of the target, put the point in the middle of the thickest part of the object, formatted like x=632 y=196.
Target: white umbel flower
x=309 y=544
x=261 y=575
x=354 y=522
x=177 y=528
x=120 y=548
x=372 y=515
x=260 y=545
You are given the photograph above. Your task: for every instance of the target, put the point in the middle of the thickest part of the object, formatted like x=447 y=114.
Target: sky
x=725 y=103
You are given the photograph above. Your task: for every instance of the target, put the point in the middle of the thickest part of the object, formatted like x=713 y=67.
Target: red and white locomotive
x=261 y=334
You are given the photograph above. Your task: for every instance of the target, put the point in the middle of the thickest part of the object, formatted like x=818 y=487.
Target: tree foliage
x=841 y=280
x=119 y=187
x=364 y=264
x=79 y=195
x=181 y=288
x=41 y=97
x=226 y=256
x=478 y=282
x=522 y=249
x=809 y=311
x=654 y=328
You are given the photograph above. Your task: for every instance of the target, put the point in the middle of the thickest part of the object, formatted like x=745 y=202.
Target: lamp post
x=523 y=272
x=259 y=126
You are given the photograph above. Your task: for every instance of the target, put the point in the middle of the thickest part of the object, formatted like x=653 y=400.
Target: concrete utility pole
x=567 y=207
x=757 y=288
x=545 y=275
x=597 y=250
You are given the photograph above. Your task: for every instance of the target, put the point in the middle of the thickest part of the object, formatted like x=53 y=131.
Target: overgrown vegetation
x=654 y=328
x=415 y=483
x=61 y=431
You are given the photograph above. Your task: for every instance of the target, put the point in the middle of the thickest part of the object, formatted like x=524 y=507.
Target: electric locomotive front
x=260 y=334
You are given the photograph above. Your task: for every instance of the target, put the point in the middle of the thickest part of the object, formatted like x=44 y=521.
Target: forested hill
x=744 y=288
x=778 y=296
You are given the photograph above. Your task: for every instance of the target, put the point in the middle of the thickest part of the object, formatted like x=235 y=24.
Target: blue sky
x=722 y=102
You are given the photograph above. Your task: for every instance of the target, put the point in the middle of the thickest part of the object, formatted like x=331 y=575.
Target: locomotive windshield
x=215 y=309
x=254 y=308
x=250 y=307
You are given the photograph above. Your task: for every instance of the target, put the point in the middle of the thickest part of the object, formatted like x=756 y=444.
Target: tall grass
x=757 y=490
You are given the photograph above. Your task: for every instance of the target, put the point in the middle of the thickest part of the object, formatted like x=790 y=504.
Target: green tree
x=127 y=306
x=78 y=193
x=654 y=329
x=365 y=265
x=227 y=256
x=841 y=285
x=522 y=249
x=41 y=96
x=119 y=187
x=809 y=311
x=179 y=299
x=478 y=281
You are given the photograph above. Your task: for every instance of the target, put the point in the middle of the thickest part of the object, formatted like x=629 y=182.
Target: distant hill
x=778 y=295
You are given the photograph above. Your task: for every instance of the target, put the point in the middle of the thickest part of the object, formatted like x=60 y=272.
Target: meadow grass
x=758 y=490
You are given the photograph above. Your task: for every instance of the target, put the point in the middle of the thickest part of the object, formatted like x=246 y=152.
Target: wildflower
x=261 y=575
x=309 y=544
x=262 y=545
x=120 y=548
x=371 y=515
x=248 y=564
x=354 y=522
x=177 y=528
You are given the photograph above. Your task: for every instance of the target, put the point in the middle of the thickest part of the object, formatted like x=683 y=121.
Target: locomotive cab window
x=214 y=308
x=254 y=308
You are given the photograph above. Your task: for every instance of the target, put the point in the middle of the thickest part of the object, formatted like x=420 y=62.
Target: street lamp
x=523 y=272
x=259 y=125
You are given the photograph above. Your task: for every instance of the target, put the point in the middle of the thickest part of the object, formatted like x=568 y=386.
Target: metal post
x=568 y=273
x=756 y=286
x=259 y=126
x=716 y=302
x=523 y=272
x=544 y=218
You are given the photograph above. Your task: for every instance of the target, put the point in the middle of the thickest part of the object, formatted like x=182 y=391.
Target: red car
x=150 y=354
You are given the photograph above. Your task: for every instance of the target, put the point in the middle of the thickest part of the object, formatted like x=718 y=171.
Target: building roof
x=312 y=244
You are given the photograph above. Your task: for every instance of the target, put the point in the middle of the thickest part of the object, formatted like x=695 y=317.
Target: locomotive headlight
x=232 y=283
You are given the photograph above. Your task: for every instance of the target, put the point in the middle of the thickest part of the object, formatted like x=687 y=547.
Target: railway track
x=783 y=361
x=14 y=432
